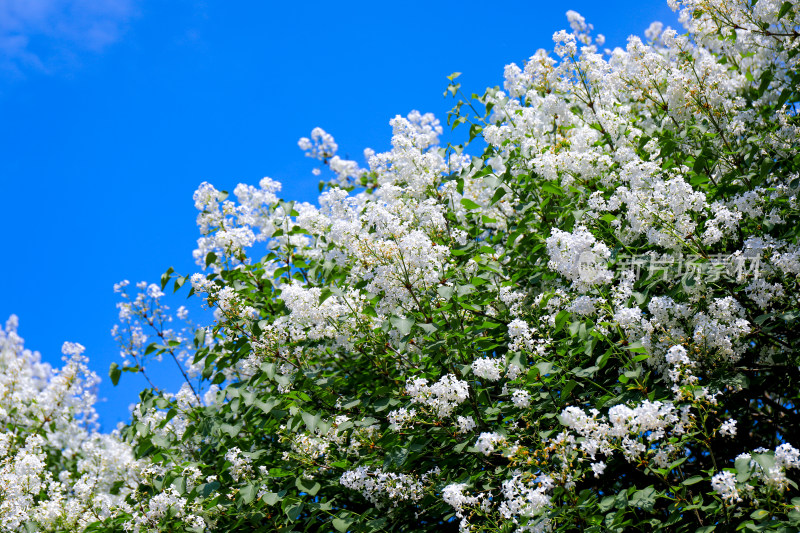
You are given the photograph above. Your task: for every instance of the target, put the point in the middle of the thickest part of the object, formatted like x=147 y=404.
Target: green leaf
x=206 y=489
x=165 y=277
x=267 y=405
x=199 y=337
x=248 y=493
x=461 y=290
x=469 y=204
x=161 y=441
x=568 y=388
x=152 y=347
x=271 y=498
x=114 y=373
x=293 y=511
x=377 y=525
x=308 y=486
x=743 y=469
x=324 y=294
x=403 y=325
x=498 y=194
x=603 y=359
x=312 y=421
x=396 y=455
x=784 y=9
x=636 y=347
x=692 y=480
x=474 y=131
x=179 y=282
x=428 y=328
x=561 y=319
x=445 y=292
x=585 y=372
x=230 y=429
x=644 y=498
x=552 y=189
x=342 y=524
x=180 y=484
x=607 y=503
x=383 y=404
x=765 y=460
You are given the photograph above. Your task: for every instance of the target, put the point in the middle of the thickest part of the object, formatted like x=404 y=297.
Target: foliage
x=589 y=326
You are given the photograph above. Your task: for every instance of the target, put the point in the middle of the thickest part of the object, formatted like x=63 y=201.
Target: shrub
x=588 y=326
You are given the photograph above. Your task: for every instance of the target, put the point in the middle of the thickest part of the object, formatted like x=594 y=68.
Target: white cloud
x=44 y=35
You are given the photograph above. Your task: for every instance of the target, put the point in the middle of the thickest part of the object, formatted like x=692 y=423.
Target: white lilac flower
x=486 y=368
x=465 y=424
x=401 y=418
x=598 y=469
x=380 y=487
x=728 y=428
x=521 y=398
x=443 y=396
x=579 y=257
x=724 y=484
x=488 y=441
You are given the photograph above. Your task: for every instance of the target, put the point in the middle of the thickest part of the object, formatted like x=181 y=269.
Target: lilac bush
x=585 y=323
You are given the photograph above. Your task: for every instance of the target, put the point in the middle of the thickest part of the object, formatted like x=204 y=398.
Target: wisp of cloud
x=48 y=35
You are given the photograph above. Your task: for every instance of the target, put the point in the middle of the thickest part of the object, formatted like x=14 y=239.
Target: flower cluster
x=382 y=488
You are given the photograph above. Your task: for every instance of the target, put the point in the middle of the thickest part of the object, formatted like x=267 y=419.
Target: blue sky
x=115 y=110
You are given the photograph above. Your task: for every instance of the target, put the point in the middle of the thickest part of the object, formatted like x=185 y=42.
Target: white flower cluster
x=443 y=396
x=489 y=441
x=523 y=337
x=314 y=319
x=521 y=398
x=49 y=415
x=728 y=428
x=323 y=147
x=719 y=333
x=465 y=424
x=680 y=370
x=241 y=466
x=164 y=504
x=310 y=447
x=763 y=472
x=488 y=369
x=512 y=300
x=723 y=330
x=525 y=496
x=381 y=487
x=454 y=495
x=635 y=431
x=228 y=228
x=320 y=146
x=579 y=257
x=724 y=484
x=401 y=418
